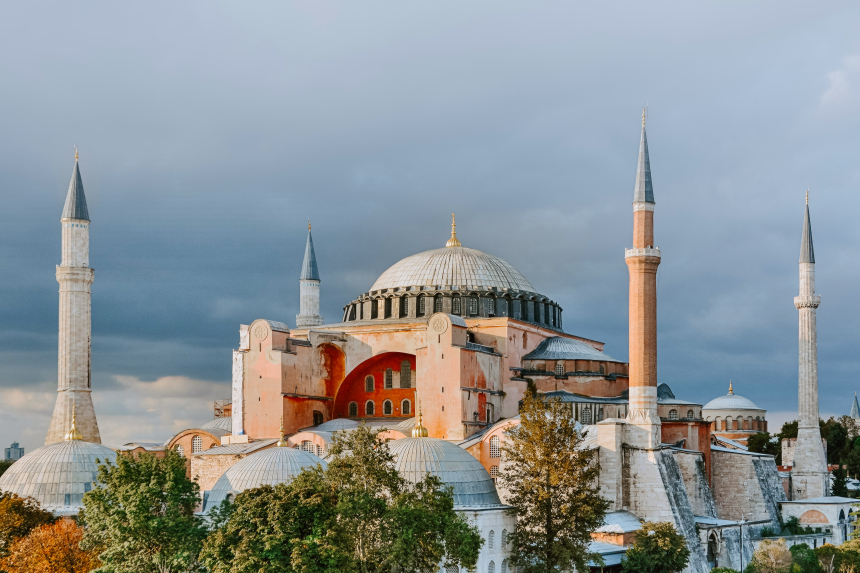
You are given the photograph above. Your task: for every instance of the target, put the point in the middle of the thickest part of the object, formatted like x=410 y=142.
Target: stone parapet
x=646 y=252
x=808 y=301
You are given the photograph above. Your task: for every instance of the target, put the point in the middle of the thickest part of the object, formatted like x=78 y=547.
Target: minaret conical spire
x=855 y=408
x=807 y=253
x=309 y=288
x=76 y=201
x=309 y=265
x=644 y=192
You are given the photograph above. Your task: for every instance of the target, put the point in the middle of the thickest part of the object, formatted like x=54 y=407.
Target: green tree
x=828 y=557
x=142 y=516
x=772 y=556
x=853 y=461
x=840 y=482
x=550 y=482
x=804 y=559
x=5 y=465
x=763 y=443
x=18 y=517
x=837 y=438
x=658 y=548
x=788 y=430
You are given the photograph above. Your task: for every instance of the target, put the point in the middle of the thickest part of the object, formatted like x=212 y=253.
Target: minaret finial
x=282 y=443
x=74 y=434
x=76 y=153
x=807 y=195
x=419 y=431
x=453 y=241
x=309 y=225
x=643 y=117
x=731 y=392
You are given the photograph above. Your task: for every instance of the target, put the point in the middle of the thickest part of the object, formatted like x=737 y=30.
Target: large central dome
x=453 y=266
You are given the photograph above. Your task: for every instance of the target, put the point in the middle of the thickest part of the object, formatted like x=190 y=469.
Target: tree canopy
x=658 y=548
x=51 y=548
x=18 y=517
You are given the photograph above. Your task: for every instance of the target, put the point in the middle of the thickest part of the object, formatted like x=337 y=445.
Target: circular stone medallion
x=261 y=331
x=439 y=325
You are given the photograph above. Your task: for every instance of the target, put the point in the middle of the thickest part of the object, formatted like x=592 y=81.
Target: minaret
x=809 y=474
x=642 y=262
x=74 y=407
x=855 y=408
x=309 y=288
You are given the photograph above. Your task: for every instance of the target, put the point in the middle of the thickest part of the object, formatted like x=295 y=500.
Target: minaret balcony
x=646 y=252
x=809 y=301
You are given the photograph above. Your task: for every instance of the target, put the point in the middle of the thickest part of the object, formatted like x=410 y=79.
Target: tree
x=51 y=548
x=853 y=461
x=804 y=559
x=763 y=443
x=658 y=548
x=837 y=438
x=827 y=556
x=788 y=430
x=772 y=556
x=357 y=516
x=5 y=465
x=141 y=515
x=18 y=517
x=840 y=482
x=550 y=482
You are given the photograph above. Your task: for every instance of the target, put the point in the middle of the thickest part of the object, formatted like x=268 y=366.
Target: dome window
x=524 y=309
x=491 y=307
x=404 y=307
x=586 y=416
x=690 y=415
x=308 y=446
x=374 y=309
x=352 y=312
x=602 y=369
x=559 y=368
x=196 y=444
x=389 y=379
x=455 y=305
x=368 y=384
x=387 y=408
x=509 y=307
x=369 y=409
x=494 y=447
x=473 y=305
x=437 y=304
x=405 y=374
x=406 y=407
x=353 y=409
x=388 y=308
x=673 y=414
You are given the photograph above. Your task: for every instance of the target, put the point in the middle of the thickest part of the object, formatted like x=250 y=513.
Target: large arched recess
x=353 y=387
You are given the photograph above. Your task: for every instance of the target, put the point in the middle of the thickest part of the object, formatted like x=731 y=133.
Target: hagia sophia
x=438 y=353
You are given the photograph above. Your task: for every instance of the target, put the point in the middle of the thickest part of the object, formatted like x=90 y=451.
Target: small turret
x=309 y=288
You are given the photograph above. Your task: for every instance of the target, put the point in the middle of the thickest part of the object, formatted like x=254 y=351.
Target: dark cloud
x=211 y=131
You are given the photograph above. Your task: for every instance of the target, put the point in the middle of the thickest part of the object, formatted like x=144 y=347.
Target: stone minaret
x=809 y=474
x=73 y=365
x=309 y=288
x=642 y=262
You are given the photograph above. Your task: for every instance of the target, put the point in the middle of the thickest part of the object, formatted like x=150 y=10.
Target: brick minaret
x=642 y=262
x=809 y=473
x=73 y=365
x=309 y=288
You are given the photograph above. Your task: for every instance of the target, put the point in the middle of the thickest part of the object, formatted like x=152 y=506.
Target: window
x=673 y=414
x=406 y=407
x=494 y=472
x=491 y=307
x=599 y=414
x=473 y=305
x=538 y=317
x=374 y=309
x=320 y=451
x=196 y=444
x=455 y=305
x=387 y=408
x=180 y=450
x=308 y=446
x=509 y=306
x=602 y=369
x=586 y=416
x=452 y=569
x=491 y=540
x=318 y=418
x=504 y=545
x=489 y=413
x=352 y=312
x=494 y=447
x=389 y=379
x=505 y=566
x=361 y=311
x=524 y=309
x=369 y=409
x=559 y=369
x=525 y=340
x=491 y=568
x=404 y=307
x=388 y=308
x=420 y=306
x=405 y=374
x=690 y=415
x=437 y=304
x=368 y=384
x=353 y=409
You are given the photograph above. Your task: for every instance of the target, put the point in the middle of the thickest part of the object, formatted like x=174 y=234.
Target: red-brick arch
x=813 y=516
x=353 y=387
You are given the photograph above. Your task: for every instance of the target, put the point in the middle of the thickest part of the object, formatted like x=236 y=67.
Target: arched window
x=524 y=309
x=602 y=369
x=673 y=414
x=196 y=444
x=320 y=451
x=559 y=368
x=369 y=409
x=404 y=306
x=352 y=312
x=437 y=304
x=421 y=305
x=405 y=374
x=180 y=450
x=406 y=407
x=368 y=384
x=318 y=417
x=388 y=308
x=494 y=447
x=389 y=379
x=387 y=408
x=353 y=409
x=473 y=305
x=455 y=305
x=690 y=415
x=505 y=566
x=586 y=416
x=491 y=540
x=491 y=307
x=491 y=568
x=504 y=545
x=308 y=446
x=509 y=304
x=374 y=309
x=494 y=472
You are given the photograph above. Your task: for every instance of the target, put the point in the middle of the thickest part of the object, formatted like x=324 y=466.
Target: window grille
x=559 y=369
x=308 y=446
x=494 y=447
x=437 y=304
x=389 y=379
x=690 y=415
x=494 y=471
x=673 y=414
x=491 y=307
x=320 y=451
x=421 y=305
x=505 y=566
x=387 y=408
x=491 y=540
x=368 y=384
x=180 y=450
x=405 y=374
x=473 y=305
x=504 y=545
x=491 y=568
x=586 y=416
x=196 y=444
x=455 y=305
x=452 y=569
x=353 y=409
x=369 y=409
x=406 y=407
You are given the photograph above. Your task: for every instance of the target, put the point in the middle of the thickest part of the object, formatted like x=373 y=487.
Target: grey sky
x=210 y=132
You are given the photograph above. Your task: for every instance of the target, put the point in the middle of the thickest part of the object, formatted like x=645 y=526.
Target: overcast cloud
x=210 y=132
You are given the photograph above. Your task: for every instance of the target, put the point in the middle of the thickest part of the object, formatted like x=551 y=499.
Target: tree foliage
x=357 y=516
x=772 y=556
x=804 y=559
x=5 y=465
x=658 y=548
x=840 y=482
x=141 y=516
x=18 y=517
x=764 y=443
x=550 y=482
x=51 y=548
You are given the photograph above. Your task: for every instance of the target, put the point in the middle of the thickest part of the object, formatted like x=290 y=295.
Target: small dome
x=337 y=424
x=457 y=468
x=225 y=424
x=731 y=402
x=57 y=475
x=266 y=467
x=466 y=268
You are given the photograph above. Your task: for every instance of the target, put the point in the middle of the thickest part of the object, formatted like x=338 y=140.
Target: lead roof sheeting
x=233 y=449
x=620 y=522
x=560 y=348
x=225 y=424
x=76 y=202
x=644 y=191
x=453 y=266
x=309 y=265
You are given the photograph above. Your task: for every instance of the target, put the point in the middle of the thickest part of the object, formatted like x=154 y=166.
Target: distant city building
x=14 y=452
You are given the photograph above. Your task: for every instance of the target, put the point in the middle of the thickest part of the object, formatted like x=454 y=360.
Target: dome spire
x=282 y=443
x=731 y=392
x=419 y=431
x=74 y=434
x=453 y=241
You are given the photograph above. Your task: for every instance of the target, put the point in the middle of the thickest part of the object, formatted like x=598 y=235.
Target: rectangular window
x=473 y=305
x=421 y=306
x=491 y=307
x=456 y=305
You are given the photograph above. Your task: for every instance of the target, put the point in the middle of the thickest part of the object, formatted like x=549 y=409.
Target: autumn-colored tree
x=52 y=548
x=772 y=556
x=550 y=482
x=18 y=517
x=658 y=548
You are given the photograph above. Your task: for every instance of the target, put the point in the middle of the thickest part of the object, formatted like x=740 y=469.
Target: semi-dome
x=57 y=475
x=225 y=423
x=266 y=467
x=453 y=266
x=457 y=468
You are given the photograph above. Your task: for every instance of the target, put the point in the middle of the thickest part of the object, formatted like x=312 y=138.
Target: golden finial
x=807 y=195
x=643 y=117
x=76 y=153
x=282 y=443
x=731 y=392
x=309 y=225
x=74 y=434
x=453 y=241
x=419 y=431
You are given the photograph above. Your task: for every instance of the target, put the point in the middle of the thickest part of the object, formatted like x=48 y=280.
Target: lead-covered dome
x=731 y=402
x=57 y=475
x=266 y=467
x=457 y=468
x=453 y=266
